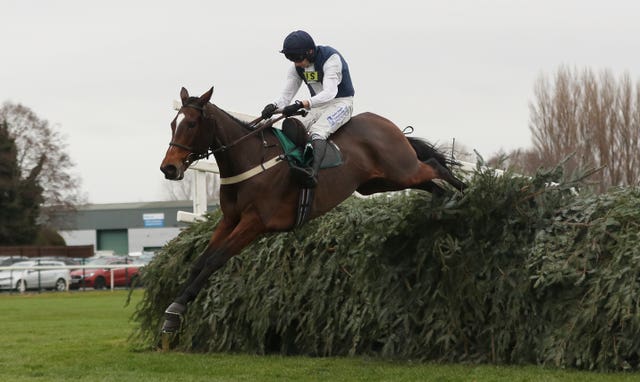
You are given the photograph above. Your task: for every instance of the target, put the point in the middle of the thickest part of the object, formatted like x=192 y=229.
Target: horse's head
x=191 y=135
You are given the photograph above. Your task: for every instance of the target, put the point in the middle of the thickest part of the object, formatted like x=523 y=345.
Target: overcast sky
x=106 y=73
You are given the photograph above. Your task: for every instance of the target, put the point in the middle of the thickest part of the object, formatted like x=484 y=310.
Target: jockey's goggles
x=295 y=57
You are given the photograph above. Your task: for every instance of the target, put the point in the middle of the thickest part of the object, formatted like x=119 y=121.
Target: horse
x=258 y=194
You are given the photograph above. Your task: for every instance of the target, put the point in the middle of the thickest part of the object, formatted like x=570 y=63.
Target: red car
x=100 y=276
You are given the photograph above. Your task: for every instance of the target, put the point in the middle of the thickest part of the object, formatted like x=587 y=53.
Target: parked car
x=143 y=258
x=7 y=261
x=100 y=276
x=22 y=279
x=66 y=260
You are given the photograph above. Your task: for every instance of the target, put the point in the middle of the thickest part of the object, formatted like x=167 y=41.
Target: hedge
x=516 y=270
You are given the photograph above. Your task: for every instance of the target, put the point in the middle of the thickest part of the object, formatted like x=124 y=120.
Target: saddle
x=293 y=137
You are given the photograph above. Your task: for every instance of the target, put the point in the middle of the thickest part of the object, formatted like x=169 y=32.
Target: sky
x=105 y=74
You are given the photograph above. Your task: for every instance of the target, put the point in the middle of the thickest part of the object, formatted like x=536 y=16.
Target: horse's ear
x=184 y=95
x=206 y=97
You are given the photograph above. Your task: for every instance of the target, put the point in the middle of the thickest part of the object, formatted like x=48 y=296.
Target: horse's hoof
x=173 y=318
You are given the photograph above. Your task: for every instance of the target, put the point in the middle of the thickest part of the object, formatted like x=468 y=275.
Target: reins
x=252 y=126
x=255 y=130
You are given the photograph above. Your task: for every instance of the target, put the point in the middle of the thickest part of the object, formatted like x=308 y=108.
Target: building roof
x=135 y=205
x=124 y=215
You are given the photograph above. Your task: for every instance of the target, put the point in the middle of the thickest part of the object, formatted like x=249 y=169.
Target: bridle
x=193 y=156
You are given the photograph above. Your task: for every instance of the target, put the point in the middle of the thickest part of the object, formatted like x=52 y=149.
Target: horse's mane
x=239 y=121
x=196 y=101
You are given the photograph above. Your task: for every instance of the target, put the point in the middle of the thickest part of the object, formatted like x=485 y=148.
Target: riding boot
x=319 y=149
x=308 y=176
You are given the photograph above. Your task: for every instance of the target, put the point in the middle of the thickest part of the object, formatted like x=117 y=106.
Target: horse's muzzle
x=172 y=172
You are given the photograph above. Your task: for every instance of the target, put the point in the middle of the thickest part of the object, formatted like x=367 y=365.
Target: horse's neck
x=227 y=131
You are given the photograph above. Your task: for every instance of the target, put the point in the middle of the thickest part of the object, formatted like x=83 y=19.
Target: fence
x=199 y=187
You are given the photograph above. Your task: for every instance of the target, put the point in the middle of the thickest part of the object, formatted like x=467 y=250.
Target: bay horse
x=258 y=194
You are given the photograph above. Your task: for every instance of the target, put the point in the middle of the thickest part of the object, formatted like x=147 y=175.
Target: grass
x=83 y=336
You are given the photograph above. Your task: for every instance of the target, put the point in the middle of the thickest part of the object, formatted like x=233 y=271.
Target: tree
x=40 y=173
x=521 y=161
x=20 y=199
x=594 y=117
x=39 y=145
x=35 y=138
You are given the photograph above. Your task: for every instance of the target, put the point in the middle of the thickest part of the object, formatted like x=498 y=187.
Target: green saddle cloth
x=300 y=156
x=303 y=156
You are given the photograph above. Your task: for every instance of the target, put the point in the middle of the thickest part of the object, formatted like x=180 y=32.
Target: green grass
x=83 y=337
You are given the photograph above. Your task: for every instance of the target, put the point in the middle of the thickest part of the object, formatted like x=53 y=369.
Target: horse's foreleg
x=218 y=252
x=222 y=231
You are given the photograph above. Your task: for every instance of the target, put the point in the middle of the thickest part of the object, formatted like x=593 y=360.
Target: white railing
x=199 y=191
x=469 y=167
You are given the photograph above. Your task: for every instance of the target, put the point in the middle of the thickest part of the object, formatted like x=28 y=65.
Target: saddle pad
x=303 y=156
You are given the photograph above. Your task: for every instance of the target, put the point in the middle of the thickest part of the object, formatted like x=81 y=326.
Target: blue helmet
x=298 y=44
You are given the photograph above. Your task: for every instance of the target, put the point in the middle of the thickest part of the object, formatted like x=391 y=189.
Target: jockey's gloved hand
x=290 y=110
x=268 y=111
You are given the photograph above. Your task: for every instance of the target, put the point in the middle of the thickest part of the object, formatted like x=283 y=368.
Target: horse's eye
x=191 y=125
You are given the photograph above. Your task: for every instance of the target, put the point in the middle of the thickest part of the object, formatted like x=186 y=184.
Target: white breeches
x=324 y=120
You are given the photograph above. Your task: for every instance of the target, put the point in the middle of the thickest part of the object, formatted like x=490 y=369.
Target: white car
x=22 y=279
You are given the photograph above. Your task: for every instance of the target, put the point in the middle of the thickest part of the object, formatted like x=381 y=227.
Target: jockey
x=326 y=74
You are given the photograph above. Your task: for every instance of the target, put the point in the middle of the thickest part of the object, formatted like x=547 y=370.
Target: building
x=123 y=228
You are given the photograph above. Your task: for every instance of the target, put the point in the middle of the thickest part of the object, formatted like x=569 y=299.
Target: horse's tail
x=426 y=151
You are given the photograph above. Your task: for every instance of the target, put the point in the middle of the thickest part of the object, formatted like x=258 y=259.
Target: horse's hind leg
x=445 y=174
x=428 y=171
x=431 y=187
x=420 y=179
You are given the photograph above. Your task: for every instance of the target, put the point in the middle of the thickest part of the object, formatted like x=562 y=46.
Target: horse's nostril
x=170 y=171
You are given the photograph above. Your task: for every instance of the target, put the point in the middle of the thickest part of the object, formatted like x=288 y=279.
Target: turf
x=83 y=336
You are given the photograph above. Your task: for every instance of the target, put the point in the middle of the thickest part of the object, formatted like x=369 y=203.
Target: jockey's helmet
x=299 y=45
